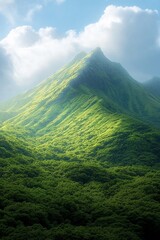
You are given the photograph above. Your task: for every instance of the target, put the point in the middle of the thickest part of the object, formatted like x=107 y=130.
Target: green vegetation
x=73 y=200
x=153 y=86
x=77 y=162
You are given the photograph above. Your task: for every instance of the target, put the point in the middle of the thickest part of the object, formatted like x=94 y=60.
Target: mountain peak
x=97 y=53
x=97 y=50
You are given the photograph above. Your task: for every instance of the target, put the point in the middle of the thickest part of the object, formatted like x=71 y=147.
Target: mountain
x=92 y=76
x=90 y=95
x=153 y=86
x=80 y=156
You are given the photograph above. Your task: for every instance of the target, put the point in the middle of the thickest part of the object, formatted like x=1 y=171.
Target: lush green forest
x=52 y=199
x=80 y=157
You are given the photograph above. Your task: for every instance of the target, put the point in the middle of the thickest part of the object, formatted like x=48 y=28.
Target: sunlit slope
x=15 y=145
x=93 y=134
x=86 y=131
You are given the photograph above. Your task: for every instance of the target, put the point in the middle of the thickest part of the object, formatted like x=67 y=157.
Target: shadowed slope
x=153 y=86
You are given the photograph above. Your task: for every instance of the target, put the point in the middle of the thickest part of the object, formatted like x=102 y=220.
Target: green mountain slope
x=15 y=144
x=88 y=109
x=79 y=159
x=6 y=115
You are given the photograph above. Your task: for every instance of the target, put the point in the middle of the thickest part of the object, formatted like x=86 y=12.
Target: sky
x=37 y=37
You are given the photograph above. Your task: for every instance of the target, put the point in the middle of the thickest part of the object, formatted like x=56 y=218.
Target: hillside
x=153 y=86
x=80 y=157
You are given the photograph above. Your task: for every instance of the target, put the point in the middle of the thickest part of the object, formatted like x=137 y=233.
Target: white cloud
x=12 y=9
x=7 y=10
x=7 y=85
x=32 y=11
x=36 y=54
x=128 y=35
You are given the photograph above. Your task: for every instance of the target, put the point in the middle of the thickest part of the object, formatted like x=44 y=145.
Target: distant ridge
x=153 y=86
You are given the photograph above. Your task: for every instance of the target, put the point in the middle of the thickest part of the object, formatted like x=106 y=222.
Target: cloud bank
x=128 y=35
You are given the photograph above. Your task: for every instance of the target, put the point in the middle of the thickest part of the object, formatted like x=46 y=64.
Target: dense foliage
x=72 y=200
